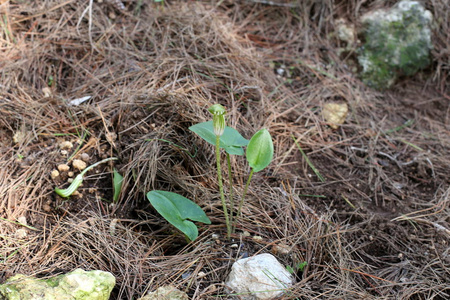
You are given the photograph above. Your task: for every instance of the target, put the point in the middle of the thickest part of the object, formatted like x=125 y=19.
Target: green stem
x=244 y=194
x=222 y=195
x=230 y=179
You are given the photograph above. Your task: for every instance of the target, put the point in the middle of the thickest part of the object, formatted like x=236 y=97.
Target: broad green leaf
x=260 y=150
x=117 y=185
x=176 y=210
x=231 y=140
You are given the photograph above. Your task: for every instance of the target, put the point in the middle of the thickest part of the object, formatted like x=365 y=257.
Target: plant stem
x=243 y=195
x=222 y=195
x=230 y=179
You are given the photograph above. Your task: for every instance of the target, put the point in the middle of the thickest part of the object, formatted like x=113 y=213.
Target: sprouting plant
x=79 y=179
x=177 y=210
x=117 y=185
x=259 y=154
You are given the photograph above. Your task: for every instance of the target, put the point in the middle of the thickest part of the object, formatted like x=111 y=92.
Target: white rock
x=66 y=145
x=259 y=277
x=63 y=168
x=79 y=164
x=54 y=174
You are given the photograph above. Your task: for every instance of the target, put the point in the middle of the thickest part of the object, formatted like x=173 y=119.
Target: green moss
x=396 y=43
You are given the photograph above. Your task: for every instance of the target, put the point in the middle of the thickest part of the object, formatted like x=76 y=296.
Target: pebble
x=84 y=157
x=257 y=238
x=63 y=168
x=54 y=174
x=79 y=164
x=281 y=249
x=66 y=145
x=70 y=174
x=21 y=233
x=22 y=220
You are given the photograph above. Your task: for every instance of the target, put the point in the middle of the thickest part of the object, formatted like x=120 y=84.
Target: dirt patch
x=371 y=222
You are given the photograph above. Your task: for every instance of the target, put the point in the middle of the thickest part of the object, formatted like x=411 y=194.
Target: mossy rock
x=397 y=43
x=76 y=285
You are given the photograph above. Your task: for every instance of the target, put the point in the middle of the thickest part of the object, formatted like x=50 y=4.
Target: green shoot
x=79 y=179
x=308 y=161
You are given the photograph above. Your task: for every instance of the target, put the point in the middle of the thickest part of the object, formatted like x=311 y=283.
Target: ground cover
x=371 y=223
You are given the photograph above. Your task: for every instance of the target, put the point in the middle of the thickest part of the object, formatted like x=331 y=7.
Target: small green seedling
x=117 y=185
x=79 y=179
x=177 y=210
x=298 y=267
x=259 y=153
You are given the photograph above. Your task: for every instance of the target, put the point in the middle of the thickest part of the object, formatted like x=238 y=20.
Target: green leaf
x=176 y=210
x=231 y=140
x=117 y=185
x=260 y=150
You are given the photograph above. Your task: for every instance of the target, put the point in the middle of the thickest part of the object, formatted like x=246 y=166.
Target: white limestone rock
x=259 y=277
x=76 y=285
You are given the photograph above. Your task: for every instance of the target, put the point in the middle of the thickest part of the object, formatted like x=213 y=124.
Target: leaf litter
x=376 y=228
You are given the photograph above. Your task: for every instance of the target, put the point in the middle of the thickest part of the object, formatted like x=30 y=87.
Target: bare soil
x=375 y=227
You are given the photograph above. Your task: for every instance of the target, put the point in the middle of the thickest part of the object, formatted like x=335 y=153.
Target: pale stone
x=66 y=145
x=79 y=164
x=335 y=114
x=259 y=277
x=54 y=174
x=167 y=292
x=76 y=285
x=84 y=157
x=21 y=233
x=63 y=168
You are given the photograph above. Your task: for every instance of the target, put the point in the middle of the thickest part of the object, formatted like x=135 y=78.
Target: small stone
x=66 y=145
x=79 y=164
x=22 y=220
x=166 y=292
x=246 y=233
x=54 y=174
x=21 y=233
x=259 y=277
x=70 y=180
x=214 y=236
x=84 y=157
x=257 y=238
x=234 y=245
x=201 y=274
x=63 y=168
x=281 y=249
x=70 y=174
x=335 y=114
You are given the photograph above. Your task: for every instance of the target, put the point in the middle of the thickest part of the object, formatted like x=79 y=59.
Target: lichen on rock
x=76 y=285
x=397 y=42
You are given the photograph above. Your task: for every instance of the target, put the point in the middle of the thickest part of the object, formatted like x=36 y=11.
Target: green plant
x=79 y=179
x=177 y=210
x=259 y=154
x=117 y=185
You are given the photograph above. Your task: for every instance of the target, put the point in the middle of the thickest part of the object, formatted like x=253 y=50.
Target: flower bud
x=218 y=112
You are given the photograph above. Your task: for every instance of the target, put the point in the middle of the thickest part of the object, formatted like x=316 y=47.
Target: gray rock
x=166 y=292
x=397 y=42
x=259 y=277
x=76 y=285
